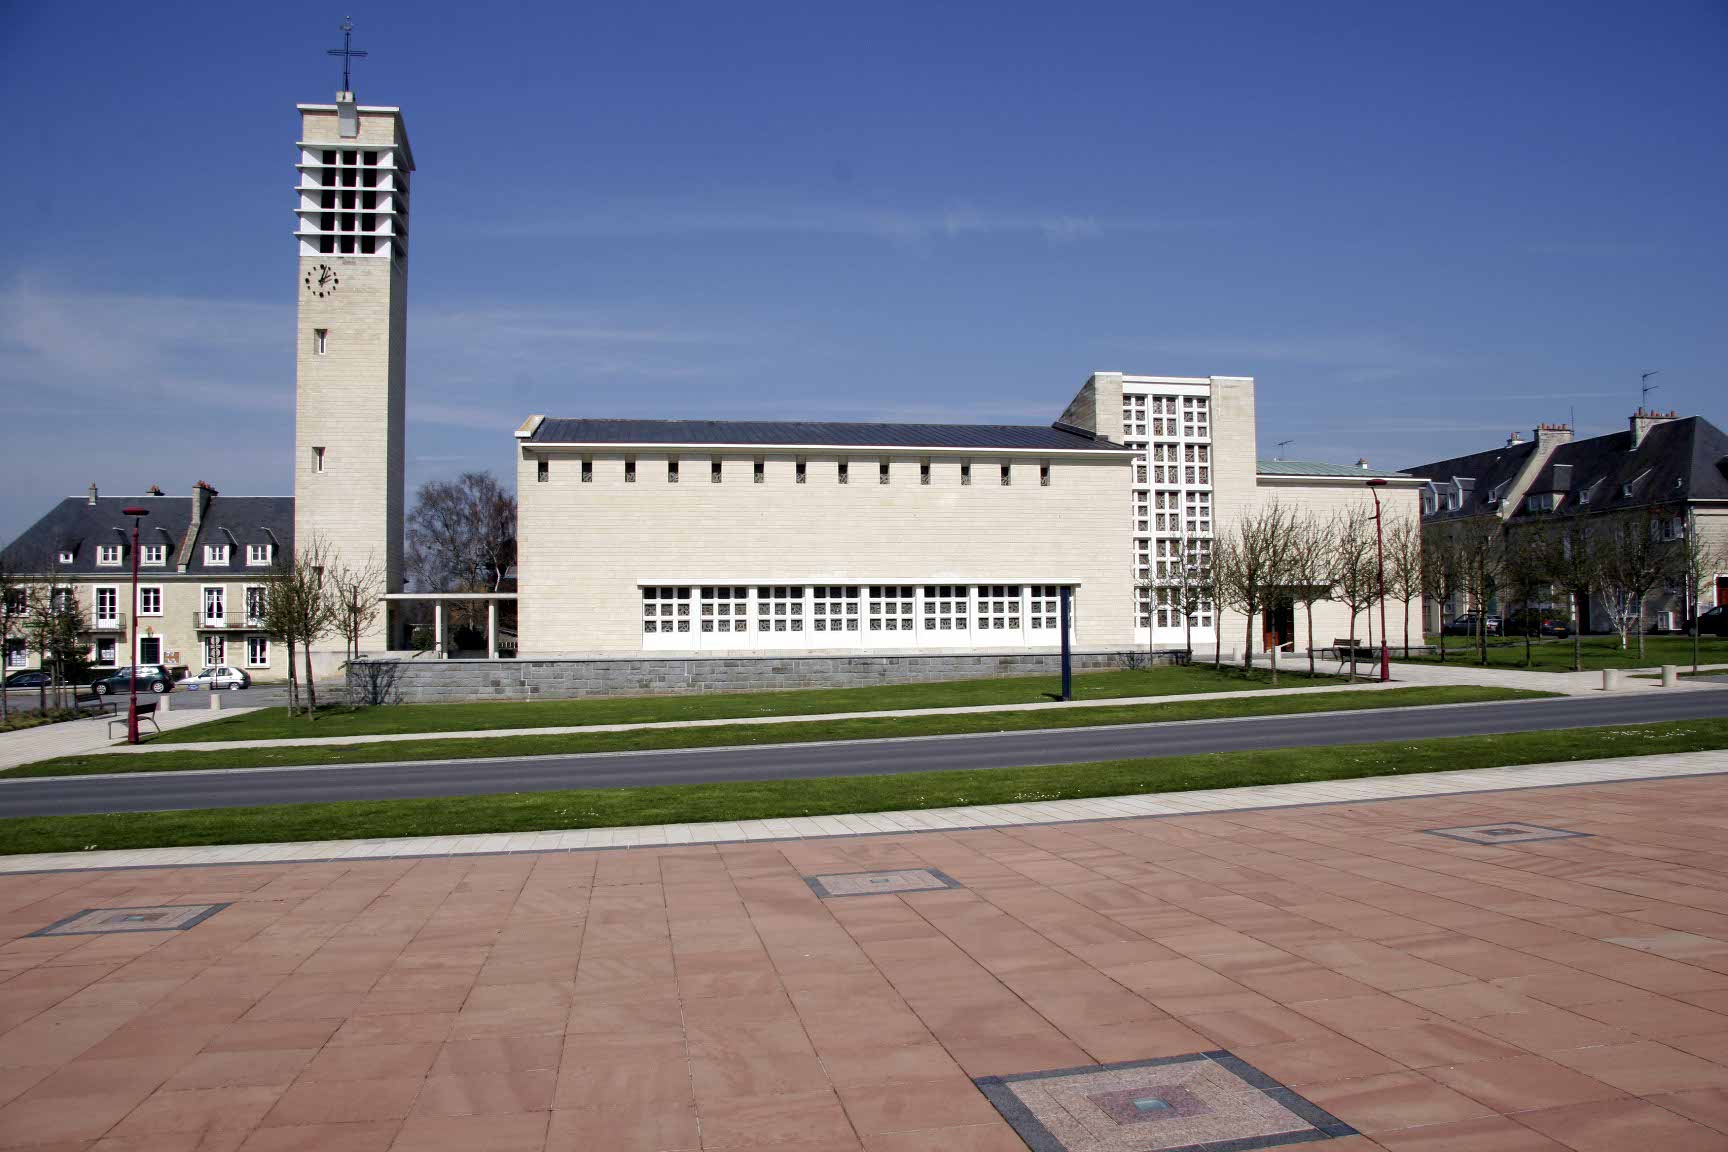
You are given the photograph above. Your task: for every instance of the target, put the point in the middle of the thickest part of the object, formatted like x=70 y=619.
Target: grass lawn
x=613 y=807
x=1599 y=652
x=1168 y=680
x=792 y=732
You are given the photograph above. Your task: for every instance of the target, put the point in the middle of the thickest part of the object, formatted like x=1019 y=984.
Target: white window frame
x=113 y=645
x=256 y=643
x=113 y=591
x=149 y=590
x=215 y=642
x=218 y=554
x=152 y=555
x=108 y=555
x=17 y=654
x=259 y=555
x=204 y=600
x=250 y=617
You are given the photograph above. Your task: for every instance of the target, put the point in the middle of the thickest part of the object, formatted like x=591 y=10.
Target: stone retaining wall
x=425 y=680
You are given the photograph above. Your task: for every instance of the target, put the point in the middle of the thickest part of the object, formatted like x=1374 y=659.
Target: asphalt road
x=218 y=789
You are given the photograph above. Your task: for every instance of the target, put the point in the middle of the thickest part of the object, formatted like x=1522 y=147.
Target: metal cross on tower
x=348 y=52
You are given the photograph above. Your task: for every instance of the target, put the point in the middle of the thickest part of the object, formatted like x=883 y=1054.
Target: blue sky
x=1419 y=227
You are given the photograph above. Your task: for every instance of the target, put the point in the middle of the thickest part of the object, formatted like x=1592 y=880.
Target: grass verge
x=1167 y=680
x=1553 y=655
x=733 y=735
x=614 y=807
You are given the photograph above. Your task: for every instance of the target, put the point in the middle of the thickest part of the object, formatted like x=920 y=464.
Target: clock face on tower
x=321 y=280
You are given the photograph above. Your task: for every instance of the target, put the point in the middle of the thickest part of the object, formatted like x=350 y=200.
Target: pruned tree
x=1572 y=567
x=1699 y=562
x=1354 y=572
x=56 y=627
x=1524 y=571
x=1634 y=560
x=299 y=610
x=1481 y=543
x=1442 y=570
x=1258 y=575
x=1215 y=579
x=354 y=590
x=1311 y=570
x=1405 y=581
x=14 y=606
x=461 y=537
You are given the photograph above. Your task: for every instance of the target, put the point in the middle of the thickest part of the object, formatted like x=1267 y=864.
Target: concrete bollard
x=215 y=700
x=165 y=703
x=1610 y=679
x=1670 y=675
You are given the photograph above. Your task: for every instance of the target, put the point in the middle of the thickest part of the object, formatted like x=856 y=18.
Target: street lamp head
x=134 y=511
x=1376 y=482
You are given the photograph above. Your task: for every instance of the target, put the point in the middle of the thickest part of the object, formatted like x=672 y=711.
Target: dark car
x=1714 y=622
x=1465 y=625
x=151 y=678
x=1535 y=624
x=29 y=678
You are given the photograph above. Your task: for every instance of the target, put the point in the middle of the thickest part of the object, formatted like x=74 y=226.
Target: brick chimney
x=1642 y=421
x=1551 y=436
x=202 y=494
x=1513 y=438
x=92 y=495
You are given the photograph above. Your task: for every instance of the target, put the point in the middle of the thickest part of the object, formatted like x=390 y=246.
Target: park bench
x=1343 y=649
x=89 y=700
x=146 y=708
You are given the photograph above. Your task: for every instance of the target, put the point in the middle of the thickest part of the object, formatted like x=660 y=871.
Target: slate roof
x=77 y=525
x=1678 y=460
x=774 y=433
x=1490 y=470
x=1316 y=468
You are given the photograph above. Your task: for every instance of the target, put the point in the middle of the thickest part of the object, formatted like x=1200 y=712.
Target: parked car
x=151 y=678
x=220 y=676
x=1465 y=625
x=28 y=678
x=1714 y=622
x=1536 y=623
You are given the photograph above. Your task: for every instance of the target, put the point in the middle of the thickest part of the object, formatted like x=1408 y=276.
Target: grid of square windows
x=780 y=608
x=725 y=609
x=1171 y=501
x=999 y=607
x=891 y=607
x=835 y=608
x=945 y=607
x=1044 y=607
x=662 y=608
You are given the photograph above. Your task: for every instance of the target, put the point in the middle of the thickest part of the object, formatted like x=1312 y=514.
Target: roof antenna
x=1282 y=444
x=1645 y=387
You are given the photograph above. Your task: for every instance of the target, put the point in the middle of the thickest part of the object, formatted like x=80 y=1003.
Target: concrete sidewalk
x=916 y=820
x=90 y=735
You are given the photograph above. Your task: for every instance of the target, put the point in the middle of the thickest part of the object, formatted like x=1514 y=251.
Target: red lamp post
x=1374 y=487
x=137 y=514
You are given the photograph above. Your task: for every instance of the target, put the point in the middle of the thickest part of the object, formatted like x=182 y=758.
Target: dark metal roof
x=1491 y=471
x=1318 y=468
x=774 y=433
x=1685 y=459
x=78 y=525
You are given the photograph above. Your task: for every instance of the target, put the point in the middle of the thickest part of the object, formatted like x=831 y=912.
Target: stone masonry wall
x=424 y=680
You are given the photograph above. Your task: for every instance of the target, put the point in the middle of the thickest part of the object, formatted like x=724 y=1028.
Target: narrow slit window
x=966 y=474
x=761 y=470
x=1007 y=475
x=802 y=471
x=882 y=472
x=587 y=470
x=542 y=471
x=714 y=470
x=1044 y=475
x=924 y=472
x=671 y=471
x=630 y=471
x=317 y=459
x=320 y=339
x=843 y=474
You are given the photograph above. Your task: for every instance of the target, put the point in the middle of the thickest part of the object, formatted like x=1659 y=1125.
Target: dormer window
x=216 y=554
x=258 y=555
x=65 y=555
x=108 y=555
x=153 y=555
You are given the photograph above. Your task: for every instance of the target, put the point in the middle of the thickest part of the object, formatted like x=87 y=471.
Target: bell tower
x=351 y=337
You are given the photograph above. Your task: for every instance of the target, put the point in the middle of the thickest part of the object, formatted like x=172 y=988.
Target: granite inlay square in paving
x=1510 y=832
x=1202 y=1102
x=831 y=884
x=151 y=918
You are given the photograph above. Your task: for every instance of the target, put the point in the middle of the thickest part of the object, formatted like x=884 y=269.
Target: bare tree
x=14 y=605
x=1524 y=568
x=1699 y=561
x=56 y=628
x=1215 y=579
x=1572 y=568
x=1258 y=575
x=461 y=537
x=1442 y=571
x=1311 y=570
x=354 y=606
x=299 y=609
x=1634 y=560
x=1481 y=543
x=1354 y=572
x=1404 y=576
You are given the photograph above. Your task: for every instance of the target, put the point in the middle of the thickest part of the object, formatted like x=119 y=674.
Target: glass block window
x=780 y=608
x=1134 y=415
x=724 y=609
x=891 y=607
x=999 y=607
x=834 y=608
x=665 y=610
x=1044 y=608
x=945 y=607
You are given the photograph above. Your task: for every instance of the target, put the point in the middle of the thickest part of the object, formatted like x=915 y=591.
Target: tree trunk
x=1217 y=636
x=1577 y=648
x=311 y=688
x=1310 y=639
x=1527 y=626
x=1248 y=639
x=1352 y=642
x=1274 y=659
x=1406 y=629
